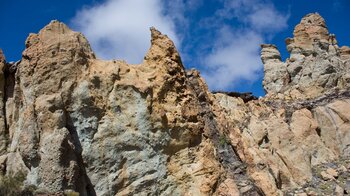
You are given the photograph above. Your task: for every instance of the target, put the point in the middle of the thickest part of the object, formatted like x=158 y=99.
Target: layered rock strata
x=69 y=121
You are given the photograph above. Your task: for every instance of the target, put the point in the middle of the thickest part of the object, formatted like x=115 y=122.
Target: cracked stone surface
x=72 y=122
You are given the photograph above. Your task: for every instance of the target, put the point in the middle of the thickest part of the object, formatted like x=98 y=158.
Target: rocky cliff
x=70 y=122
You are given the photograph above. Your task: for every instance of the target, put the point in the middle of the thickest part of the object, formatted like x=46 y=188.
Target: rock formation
x=316 y=64
x=72 y=122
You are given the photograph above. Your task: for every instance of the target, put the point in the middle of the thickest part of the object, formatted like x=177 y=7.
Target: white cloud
x=236 y=53
x=178 y=9
x=235 y=58
x=119 y=29
x=226 y=44
x=267 y=19
x=260 y=15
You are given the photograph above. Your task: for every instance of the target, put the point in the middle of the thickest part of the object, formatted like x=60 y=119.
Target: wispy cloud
x=223 y=43
x=178 y=10
x=236 y=52
x=259 y=15
x=235 y=57
x=120 y=28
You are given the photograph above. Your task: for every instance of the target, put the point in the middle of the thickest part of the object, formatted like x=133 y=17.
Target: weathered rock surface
x=302 y=122
x=72 y=122
x=316 y=62
x=106 y=127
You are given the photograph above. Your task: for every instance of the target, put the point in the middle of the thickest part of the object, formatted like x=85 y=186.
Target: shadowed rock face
x=71 y=121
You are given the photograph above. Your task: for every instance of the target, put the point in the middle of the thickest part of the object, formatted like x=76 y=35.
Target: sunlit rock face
x=316 y=63
x=106 y=127
x=69 y=121
x=302 y=122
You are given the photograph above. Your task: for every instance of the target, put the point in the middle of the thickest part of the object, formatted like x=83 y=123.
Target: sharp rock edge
x=70 y=122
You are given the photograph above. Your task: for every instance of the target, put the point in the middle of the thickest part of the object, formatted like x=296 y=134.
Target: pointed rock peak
x=313 y=19
x=155 y=34
x=53 y=30
x=311 y=29
x=162 y=48
x=56 y=27
x=56 y=35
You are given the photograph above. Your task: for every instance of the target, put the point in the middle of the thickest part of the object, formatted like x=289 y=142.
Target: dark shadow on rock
x=247 y=96
x=89 y=188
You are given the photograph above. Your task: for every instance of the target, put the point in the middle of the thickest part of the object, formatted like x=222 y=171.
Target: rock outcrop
x=302 y=121
x=71 y=122
x=315 y=66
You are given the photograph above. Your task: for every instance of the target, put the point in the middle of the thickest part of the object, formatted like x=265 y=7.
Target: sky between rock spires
x=221 y=38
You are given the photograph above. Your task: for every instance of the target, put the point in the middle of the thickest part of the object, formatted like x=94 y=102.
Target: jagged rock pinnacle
x=50 y=31
x=162 y=48
x=307 y=73
x=312 y=28
x=72 y=123
x=155 y=34
x=276 y=75
x=53 y=37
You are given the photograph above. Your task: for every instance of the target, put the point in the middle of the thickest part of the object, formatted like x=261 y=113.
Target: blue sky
x=220 y=38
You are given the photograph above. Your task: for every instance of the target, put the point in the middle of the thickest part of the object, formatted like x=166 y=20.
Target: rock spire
x=315 y=66
x=70 y=122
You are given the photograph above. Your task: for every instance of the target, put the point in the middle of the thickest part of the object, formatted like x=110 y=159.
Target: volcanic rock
x=106 y=127
x=316 y=64
x=70 y=122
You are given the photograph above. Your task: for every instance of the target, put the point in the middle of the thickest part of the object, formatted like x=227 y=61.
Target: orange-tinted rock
x=72 y=122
